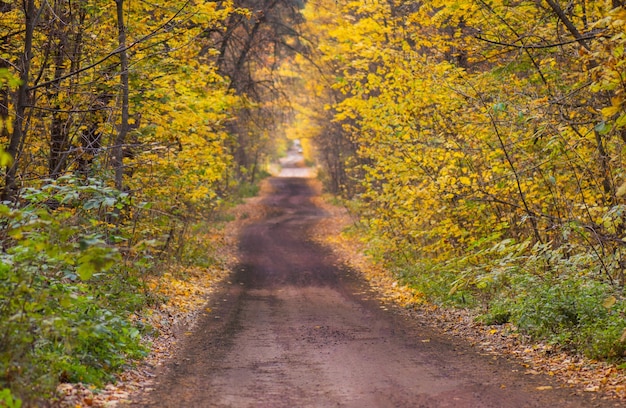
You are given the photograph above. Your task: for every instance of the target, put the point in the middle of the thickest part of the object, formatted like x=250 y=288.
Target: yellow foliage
x=465 y=128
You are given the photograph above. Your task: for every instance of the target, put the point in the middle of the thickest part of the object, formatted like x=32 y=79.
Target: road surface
x=294 y=328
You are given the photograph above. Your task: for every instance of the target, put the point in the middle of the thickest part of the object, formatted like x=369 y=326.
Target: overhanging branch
x=589 y=36
x=113 y=53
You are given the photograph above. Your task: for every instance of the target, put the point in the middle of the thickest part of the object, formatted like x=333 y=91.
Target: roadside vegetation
x=479 y=148
x=127 y=129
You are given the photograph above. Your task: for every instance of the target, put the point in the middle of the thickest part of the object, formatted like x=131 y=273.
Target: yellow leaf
x=616 y=101
x=609 y=111
x=609 y=302
x=5 y=158
x=621 y=190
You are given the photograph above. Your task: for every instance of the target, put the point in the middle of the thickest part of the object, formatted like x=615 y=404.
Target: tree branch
x=113 y=53
x=567 y=22
x=590 y=36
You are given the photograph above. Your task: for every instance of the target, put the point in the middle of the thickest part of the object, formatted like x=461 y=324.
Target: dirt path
x=292 y=328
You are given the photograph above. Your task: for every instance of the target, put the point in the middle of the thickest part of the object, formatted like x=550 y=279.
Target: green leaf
x=85 y=270
x=499 y=107
x=8 y=400
x=91 y=204
x=603 y=128
x=6 y=76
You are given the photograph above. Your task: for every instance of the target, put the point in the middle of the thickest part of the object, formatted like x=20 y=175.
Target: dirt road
x=292 y=328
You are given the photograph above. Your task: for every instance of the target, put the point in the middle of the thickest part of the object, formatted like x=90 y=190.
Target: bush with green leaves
x=557 y=294
x=578 y=314
x=554 y=294
x=7 y=400
x=64 y=296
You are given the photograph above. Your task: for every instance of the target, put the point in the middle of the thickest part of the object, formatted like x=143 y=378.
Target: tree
x=118 y=147
x=250 y=48
x=31 y=16
x=117 y=158
x=479 y=117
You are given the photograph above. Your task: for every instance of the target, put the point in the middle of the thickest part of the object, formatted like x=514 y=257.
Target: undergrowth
x=577 y=314
x=76 y=277
x=555 y=294
x=66 y=291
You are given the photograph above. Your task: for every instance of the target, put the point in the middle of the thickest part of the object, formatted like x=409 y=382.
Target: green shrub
x=7 y=400
x=575 y=313
x=64 y=296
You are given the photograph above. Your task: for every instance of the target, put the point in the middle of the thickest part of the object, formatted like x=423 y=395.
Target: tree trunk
x=4 y=91
x=59 y=137
x=120 y=139
x=9 y=193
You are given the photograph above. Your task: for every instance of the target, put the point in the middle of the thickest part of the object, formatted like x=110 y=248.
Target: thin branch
x=48 y=109
x=538 y=46
x=113 y=53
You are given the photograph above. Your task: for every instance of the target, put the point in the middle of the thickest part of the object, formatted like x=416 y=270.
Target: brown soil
x=293 y=327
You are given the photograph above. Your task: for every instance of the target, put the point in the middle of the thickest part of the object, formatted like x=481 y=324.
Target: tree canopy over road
x=478 y=144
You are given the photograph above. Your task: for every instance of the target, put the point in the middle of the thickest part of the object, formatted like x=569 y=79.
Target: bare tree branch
x=113 y=53
x=590 y=36
x=568 y=23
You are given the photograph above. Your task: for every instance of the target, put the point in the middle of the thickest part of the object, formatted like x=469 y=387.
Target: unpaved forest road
x=293 y=329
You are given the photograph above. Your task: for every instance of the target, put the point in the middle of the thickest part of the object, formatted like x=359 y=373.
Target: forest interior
x=477 y=147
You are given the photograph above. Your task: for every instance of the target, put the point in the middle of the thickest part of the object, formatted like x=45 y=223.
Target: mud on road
x=294 y=328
